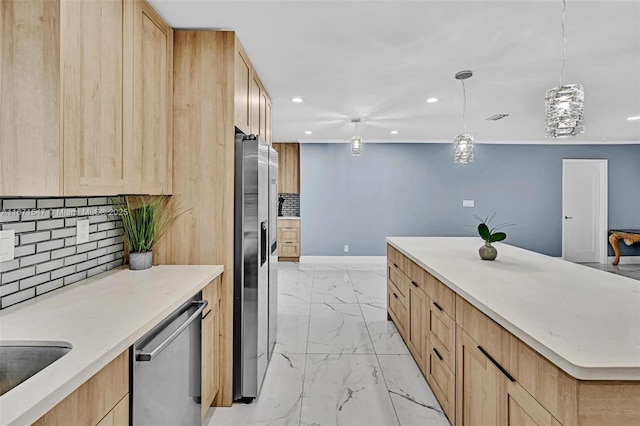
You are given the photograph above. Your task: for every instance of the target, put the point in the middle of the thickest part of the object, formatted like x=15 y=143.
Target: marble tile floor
x=337 y=360
x=628 y=270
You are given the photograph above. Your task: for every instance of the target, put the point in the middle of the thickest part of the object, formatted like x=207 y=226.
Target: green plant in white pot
x=145 y=220
x=490 y=235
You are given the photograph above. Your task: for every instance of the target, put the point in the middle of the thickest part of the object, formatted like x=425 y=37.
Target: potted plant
x=490 y=235
x=145 y=221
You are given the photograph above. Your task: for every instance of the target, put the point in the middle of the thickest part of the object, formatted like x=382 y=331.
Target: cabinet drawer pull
x=438 y=354
x=207 y=314
x=395 y=295
x=414 y=283
x=437 y=306
x=394 y=264
x=494 y=362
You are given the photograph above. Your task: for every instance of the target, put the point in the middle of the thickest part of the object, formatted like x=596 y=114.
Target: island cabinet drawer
x=441 y=379
x=493 y=339
x=417 y=276
x=399 y=280
x=442 y=297
x=397 y=309
x=395 y=258
x=442 y=332
x=288 y=223
x=289 y=250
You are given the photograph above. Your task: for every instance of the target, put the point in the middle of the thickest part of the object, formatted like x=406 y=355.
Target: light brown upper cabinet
x=69 y=126
x=252 y=104
x=152 y=102
x=288 y=167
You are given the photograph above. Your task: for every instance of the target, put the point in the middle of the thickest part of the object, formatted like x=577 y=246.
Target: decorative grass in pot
x=490 y=235
x=145 y=221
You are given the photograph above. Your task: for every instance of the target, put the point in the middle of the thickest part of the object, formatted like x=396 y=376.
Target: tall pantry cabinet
x=216 y=90
x=77 y=116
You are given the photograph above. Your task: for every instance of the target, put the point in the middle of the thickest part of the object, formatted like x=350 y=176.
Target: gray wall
x=416 y=190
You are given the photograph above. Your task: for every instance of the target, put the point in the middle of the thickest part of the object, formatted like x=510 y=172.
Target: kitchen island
x=100 y=318
x=563 y=339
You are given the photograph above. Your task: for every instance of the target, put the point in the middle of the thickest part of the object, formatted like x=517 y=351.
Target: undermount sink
x=20 y=360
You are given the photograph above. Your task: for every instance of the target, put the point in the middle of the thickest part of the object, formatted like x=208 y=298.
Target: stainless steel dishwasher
x=166 y=369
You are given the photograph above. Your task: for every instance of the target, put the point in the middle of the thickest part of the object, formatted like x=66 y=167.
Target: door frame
x=603 y=211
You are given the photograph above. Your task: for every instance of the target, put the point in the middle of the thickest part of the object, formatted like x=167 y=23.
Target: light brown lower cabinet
x=288 y=239
x=210 y=345
x=481 y=374
x=102 y=400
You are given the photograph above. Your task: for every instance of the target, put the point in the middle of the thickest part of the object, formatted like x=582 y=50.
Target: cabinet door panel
x=269 y=131
x=480 y=386
x=263 y=114
x=152 y=103
x=242 y=97
x=524 y=410
x=416 y=328
x=92 y=47
x=255 y=106
x=30 y=157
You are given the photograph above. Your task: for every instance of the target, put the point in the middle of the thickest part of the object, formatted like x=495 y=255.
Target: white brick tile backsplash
x=49 y=245
x=18 y=203
x=9 y=288
x=87 y=246
x=33 y=259
x=67 y=270
x=47 y=256
x=62 y=233
x=75 y=202
x=9 y=265
x=49 y=203
x=20 y=226
x=39 y=214
x=34 y=237
x=68 y=251
x=33 y=281
x=54 y=264
x=18 y=274
x=51 y=285
x=24 y=250
x=75 y=277
x=18 y=297
x=75 y=259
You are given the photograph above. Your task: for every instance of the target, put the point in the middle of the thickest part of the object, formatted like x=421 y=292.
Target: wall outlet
x=7 y=245
x=82 y=231
x=468 y=203
x=346 y=248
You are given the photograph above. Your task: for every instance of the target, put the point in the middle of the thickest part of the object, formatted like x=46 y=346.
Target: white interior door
x=584 y=210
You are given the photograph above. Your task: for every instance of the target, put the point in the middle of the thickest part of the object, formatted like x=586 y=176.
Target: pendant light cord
x=564 y=42
x=464 y=106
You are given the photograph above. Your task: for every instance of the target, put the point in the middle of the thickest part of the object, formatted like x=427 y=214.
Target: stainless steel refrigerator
x=253 y=253
x=273 y=248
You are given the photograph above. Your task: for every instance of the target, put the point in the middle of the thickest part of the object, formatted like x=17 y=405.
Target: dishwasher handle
x=148 y=356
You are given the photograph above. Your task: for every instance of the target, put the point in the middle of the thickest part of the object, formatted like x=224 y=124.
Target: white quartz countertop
x=585 y=321
x=289 y=217
x=101 y=317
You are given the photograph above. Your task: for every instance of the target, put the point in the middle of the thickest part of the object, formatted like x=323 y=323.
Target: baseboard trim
x=342 y=260
x=625 y=260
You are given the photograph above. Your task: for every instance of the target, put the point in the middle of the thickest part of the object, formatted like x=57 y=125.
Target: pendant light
x=463 y=150
x=564 y=104
x=356 y=141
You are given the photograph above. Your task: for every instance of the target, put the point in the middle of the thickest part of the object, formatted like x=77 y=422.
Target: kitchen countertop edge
x=576 y=371
x=12 y=404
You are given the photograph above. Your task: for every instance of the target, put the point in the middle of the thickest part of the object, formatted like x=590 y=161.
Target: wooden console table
x=629 y=236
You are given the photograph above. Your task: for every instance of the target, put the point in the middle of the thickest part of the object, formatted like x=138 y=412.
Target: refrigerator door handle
x=264 y=241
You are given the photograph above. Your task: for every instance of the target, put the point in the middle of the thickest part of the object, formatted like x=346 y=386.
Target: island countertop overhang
x=585 y=321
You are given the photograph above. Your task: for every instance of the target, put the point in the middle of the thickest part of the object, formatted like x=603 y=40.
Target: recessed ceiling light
x=394 y=132
x=297 y=100
x=637 y=117
x=308 y=132
x=432 y=100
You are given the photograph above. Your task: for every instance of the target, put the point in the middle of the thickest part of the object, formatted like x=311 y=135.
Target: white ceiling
x=380 y=60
